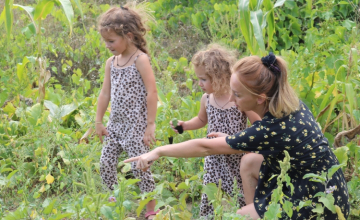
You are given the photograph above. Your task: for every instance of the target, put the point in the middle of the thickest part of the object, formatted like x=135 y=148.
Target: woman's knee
x=250 y=163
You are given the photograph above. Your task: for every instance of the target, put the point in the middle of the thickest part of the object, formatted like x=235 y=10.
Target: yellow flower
x=49 y=179
x=251 y=137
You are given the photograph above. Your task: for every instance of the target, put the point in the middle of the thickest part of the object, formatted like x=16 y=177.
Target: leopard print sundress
x=126 y=126
x=225 y=167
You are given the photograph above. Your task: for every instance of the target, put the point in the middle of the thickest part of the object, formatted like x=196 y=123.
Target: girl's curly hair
x=125 y=19
x=218 y=62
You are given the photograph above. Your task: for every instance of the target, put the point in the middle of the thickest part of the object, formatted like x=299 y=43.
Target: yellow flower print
x=298 y=140
x=243 y=144
x=302 y=162
x=273 y=133
x=258 y=129
x=287 y=147
x=259 y=148
x=272 y=148
x=251 y=137
x=283 y=127
x=293 y=128
x=266 y=142
x=265 y=136
x=242 y=134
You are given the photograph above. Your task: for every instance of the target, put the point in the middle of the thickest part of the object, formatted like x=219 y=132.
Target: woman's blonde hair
x=128 y=18
x=217 y=61
x=259 y=79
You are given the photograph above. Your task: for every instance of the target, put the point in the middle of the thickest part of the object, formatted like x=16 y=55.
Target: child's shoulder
x=109 y=61
x=141 y=58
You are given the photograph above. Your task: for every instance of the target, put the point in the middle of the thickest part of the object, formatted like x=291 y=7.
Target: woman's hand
x=180 y=123
x=144 y=161
x=217 y=134
x=149 y=136
x=101 y=131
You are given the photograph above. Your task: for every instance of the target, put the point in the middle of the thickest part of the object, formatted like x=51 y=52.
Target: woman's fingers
x=213 y=134
x=131 y=159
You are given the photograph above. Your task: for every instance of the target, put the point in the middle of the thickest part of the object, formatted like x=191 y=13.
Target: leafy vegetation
x=52 y=66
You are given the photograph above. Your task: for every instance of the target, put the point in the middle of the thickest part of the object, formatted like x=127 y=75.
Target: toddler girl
x=213 y=69
x=130 y=85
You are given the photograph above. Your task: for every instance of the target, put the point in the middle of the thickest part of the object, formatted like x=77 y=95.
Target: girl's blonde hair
x=217 y=62
x=259 y=79
x=125 y=19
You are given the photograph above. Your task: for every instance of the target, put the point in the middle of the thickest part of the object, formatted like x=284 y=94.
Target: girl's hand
x=217 y=134
x=149 y=136
x=180 y=123
x=144 y=161
x=101 y=131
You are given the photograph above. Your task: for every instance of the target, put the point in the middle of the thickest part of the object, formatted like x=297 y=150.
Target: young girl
x=213 y=69
x=130 y=85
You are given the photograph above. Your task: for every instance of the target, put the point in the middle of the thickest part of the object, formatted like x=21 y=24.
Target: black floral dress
x=300 y=135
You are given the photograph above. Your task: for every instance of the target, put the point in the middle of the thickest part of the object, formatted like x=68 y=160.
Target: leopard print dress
x=224 y=167
x=126 y=126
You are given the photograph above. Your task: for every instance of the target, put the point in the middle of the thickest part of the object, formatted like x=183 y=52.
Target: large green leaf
x=210 y=190
x=34 y=113
x=341 y=154
x=350 y=96
x=29 y=10
x=54 y=109
x=107 y=212
x=279 y=3
x=49 y=208
x=256 y=20
x=42 y=9
x=8 y=16
x=67 y=109
x=245 y=24
x=21 y=71
x=68 y=10
x=270 y=21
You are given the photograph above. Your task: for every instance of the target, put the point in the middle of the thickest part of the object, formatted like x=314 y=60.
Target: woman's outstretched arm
x=192 y=148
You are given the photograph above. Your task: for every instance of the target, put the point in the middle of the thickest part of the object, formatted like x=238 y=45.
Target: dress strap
x=112 y=61
x=140 y=55
x=207 y=99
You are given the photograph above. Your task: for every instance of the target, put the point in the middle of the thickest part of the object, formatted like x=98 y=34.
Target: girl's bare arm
x=147 y=75
x=104 y=96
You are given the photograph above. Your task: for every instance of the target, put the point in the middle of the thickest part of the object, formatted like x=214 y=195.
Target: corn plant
x=254 y=19
x=37 y=14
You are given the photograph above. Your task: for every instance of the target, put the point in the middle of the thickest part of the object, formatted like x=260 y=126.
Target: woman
x=261 y=85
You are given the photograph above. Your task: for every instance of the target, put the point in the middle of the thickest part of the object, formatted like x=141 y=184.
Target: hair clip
x=269 y=61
